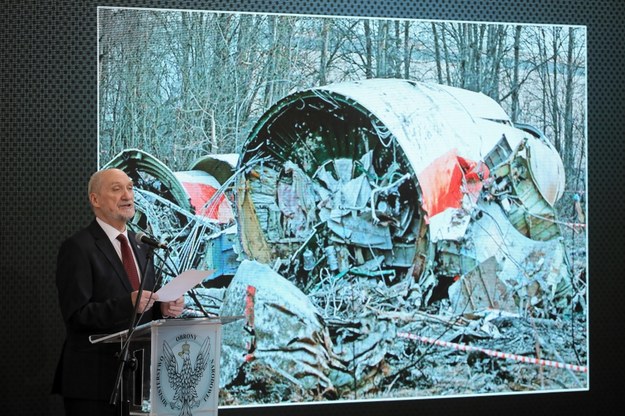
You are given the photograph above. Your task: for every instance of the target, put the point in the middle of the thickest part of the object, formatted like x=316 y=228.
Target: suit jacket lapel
x=104 y=244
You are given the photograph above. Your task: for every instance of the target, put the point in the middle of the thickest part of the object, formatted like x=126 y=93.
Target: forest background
x=184 y=84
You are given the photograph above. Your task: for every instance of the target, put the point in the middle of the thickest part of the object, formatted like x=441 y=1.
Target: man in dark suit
x=97 y=297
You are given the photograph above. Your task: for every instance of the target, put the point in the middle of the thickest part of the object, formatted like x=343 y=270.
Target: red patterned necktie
x=129 y=262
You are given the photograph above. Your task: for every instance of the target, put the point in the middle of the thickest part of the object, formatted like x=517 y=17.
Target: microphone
x=142 y=237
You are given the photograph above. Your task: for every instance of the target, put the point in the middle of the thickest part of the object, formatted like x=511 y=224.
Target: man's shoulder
x=90 y=232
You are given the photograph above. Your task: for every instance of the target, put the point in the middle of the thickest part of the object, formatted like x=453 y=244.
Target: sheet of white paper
x=181 y=284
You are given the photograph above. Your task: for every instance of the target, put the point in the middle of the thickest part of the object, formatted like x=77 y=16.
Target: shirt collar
x=111 y=232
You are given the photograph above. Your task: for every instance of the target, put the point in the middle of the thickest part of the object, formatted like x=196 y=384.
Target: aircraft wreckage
x=403 y=181
x=357 y=205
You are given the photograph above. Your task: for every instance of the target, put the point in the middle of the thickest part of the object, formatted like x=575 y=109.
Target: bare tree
x=323 y=60
x=437 y=53
x=185 y=84
x=368 y=49
x=515 y=85
x=408 y=47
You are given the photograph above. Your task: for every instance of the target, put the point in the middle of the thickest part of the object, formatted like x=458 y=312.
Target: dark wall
x=48 y=130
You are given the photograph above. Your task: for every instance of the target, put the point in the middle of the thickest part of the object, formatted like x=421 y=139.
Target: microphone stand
x=123 y=356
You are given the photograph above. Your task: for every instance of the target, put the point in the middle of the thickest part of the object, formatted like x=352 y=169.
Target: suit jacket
x=94 y=296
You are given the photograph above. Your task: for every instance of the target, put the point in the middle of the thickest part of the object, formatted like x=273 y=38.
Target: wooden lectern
x=176 y=366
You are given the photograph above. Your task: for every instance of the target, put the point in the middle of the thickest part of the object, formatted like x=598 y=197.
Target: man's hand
x=146 y=302
x=173 y=309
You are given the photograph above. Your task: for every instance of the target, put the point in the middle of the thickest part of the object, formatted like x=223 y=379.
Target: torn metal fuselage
x=404 y=182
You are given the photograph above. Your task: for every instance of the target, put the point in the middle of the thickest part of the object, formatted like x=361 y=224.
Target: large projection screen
x=396 y=206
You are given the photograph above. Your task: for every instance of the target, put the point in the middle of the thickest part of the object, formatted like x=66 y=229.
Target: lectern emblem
x=182 y=384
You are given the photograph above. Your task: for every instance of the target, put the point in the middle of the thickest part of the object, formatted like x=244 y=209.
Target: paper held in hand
x=180 y=285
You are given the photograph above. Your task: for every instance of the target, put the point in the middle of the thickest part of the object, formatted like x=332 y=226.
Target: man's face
x=113 y=200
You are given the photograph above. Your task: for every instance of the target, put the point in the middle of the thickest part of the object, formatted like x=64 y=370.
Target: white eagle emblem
x=185 y=382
